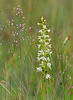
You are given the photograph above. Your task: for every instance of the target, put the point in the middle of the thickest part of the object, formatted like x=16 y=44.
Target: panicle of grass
x=17 y=26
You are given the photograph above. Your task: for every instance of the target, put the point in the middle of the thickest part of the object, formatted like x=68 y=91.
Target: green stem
x=21 y=65
x=44 y=89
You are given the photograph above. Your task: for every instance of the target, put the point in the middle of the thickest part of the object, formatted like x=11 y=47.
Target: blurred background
x=18 y=77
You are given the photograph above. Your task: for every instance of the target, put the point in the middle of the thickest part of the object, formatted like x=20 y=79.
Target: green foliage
x=18 y=78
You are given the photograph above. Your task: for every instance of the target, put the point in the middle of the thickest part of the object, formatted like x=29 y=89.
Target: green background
x=18 y=77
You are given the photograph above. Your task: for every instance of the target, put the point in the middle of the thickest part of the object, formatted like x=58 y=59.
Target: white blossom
x=39 y=37
x=47 y=51
x=49 y=65
x=40 y=51
x=48 y=76
x=38 y=23
x=48 y=30
x=46 y=36
x=44 y=26
x=40 y=31
x=39 y=69
x=50 y=45
x=48 y=59
x=42 y=58
x=49 y=40
x=50 y=52
x=41 y=64
x=40 y=40
x=46 y=43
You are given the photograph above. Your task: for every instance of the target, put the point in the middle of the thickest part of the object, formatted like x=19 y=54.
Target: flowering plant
x=44 y=53
x=44 y=50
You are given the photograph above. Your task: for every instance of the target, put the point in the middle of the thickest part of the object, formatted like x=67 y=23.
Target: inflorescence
x=44 y=50
x=17 y=25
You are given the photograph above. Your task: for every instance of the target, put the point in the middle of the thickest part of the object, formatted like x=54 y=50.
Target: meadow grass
x=19 y=79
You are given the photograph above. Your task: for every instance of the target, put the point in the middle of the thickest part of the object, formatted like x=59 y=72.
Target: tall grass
x=18 y=78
